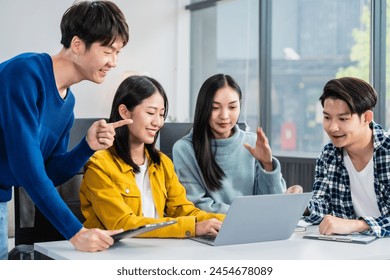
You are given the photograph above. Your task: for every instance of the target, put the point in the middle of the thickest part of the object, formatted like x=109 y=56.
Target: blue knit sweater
x=34 y=134
x=244 y=174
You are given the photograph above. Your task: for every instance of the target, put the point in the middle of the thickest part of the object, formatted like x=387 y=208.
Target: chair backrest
x=173 y=131
x=170 y=133
x=30 y=224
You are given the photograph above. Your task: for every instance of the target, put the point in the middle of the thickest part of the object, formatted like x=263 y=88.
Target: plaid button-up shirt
x=331 y=189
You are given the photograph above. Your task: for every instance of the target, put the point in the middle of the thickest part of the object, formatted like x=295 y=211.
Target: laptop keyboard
x=208 y=239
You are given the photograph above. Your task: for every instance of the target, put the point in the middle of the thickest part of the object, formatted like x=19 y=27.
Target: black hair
x=94 y=21
x=202 y=134
x=359 y=95
x=132 y=92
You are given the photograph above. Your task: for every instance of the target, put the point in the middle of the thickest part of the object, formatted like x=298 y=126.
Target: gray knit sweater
x=244 y=174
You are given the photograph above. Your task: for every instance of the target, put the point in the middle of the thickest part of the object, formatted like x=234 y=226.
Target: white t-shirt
x=364 y=199
x=143 y=183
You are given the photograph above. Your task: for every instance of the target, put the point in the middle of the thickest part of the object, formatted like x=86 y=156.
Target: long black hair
x=132 y=92
x=202 y=134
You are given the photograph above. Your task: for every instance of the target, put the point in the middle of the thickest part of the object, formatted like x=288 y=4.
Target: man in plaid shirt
x=351 y=191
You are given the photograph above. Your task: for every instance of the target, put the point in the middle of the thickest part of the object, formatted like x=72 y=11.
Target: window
x=312 y=42
x=387 y=75
x=282 y=52
x=224 y=39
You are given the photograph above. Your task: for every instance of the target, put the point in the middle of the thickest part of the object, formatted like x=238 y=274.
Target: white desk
x=294 y=248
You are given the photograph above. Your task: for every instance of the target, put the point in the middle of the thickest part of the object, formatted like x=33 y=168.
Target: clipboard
x=357 y=238
x=139 y=230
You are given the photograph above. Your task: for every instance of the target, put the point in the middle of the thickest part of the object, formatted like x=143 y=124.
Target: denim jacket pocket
x=131 y=196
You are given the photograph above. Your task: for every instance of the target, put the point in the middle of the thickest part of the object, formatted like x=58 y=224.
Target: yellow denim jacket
x=110 y=198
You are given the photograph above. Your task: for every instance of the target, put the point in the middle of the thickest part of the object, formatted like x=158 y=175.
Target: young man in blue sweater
x=36 y=115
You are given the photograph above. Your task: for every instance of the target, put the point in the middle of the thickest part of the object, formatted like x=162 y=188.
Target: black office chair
x=30 y=224
x=170 y=133
x=173 y=131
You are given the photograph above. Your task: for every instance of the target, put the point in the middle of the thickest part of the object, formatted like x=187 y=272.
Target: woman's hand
x=208 y=227
x=262 y=151
x=294 y=189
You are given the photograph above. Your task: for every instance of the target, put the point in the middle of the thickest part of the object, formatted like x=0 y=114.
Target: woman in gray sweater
x=217 y=161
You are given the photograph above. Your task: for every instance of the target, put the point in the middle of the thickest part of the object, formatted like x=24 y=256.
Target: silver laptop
x=259 y=218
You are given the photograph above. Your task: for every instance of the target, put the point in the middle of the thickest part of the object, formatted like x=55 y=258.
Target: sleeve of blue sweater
x=61 y=165
x=36 y=154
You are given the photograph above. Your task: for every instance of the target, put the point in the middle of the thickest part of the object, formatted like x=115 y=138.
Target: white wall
x=159 y=46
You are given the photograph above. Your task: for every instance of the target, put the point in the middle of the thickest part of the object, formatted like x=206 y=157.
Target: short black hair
x=359 y=95
x=94 y=21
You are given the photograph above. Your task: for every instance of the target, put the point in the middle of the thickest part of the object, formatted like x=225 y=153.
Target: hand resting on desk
x=335 y=225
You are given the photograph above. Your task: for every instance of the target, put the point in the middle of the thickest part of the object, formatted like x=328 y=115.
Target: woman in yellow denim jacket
x=132 y=183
